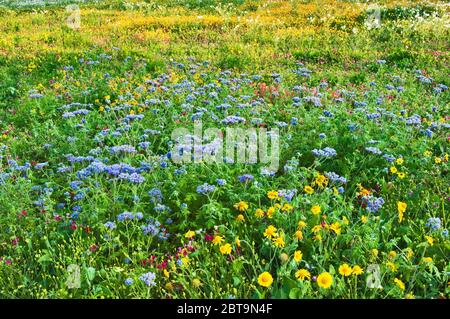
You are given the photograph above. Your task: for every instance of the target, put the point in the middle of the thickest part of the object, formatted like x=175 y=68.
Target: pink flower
x=15 y=241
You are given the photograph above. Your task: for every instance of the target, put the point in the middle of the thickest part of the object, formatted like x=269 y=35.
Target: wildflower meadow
x=224 y=149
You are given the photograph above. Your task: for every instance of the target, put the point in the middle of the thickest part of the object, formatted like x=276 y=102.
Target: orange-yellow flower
x=316 y=209
x=336 y=227
x=217 y=240
x=364 y=219
x=299 y=235
x=345 y=270
x=401 y=207
x=225 y=249
x=302 y=274
x=308 y=190
x=272 y=195
x=241 y=206
x=279 y=241
x=399 y=283
x=259 y=213
x=301 y=224
x=321 y=180
x=265 y=279
x=189 y=234
x=270 y=232
x=325 y=280
x=356 y=271
x=270 y=212
x=298 y=255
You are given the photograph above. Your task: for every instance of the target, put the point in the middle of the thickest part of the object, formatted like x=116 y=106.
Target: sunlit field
x=100 y=198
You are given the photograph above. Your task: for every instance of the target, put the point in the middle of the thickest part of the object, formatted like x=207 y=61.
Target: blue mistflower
x=434 y=223
x=128 y=282
x=245 y=178
x=110 y=225
x=148 y=278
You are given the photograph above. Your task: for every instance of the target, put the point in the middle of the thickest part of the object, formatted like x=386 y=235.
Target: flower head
x=430 y=240
x=336 y=227
x=399 y=283
x=345 y=270
x=308 y=190
x=189 y=234
x=302 y=274
x=225 y=249
x=279 y=241
x=217 y=240
x=325 y=280
x=401 y=207
x=270 y=232
x=259 y=213
x=148 y=278
x=298 y=255
x=265 y=279
x=316 y=209
x=272 y=195
x=241 y=206
x=356 y=271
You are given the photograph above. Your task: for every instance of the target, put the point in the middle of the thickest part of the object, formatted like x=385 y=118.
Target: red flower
x=23 y=213
x=162 y=265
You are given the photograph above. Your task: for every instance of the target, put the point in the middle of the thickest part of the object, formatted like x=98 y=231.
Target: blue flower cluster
x=205 y=188
x=125 y=216
x=326 y=152
x=148 y=279
x=373 y=203
x=335 y=178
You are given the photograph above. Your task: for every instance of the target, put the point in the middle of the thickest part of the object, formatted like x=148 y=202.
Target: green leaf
x=44 y=259
x=90 y=273
x=294 y=293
